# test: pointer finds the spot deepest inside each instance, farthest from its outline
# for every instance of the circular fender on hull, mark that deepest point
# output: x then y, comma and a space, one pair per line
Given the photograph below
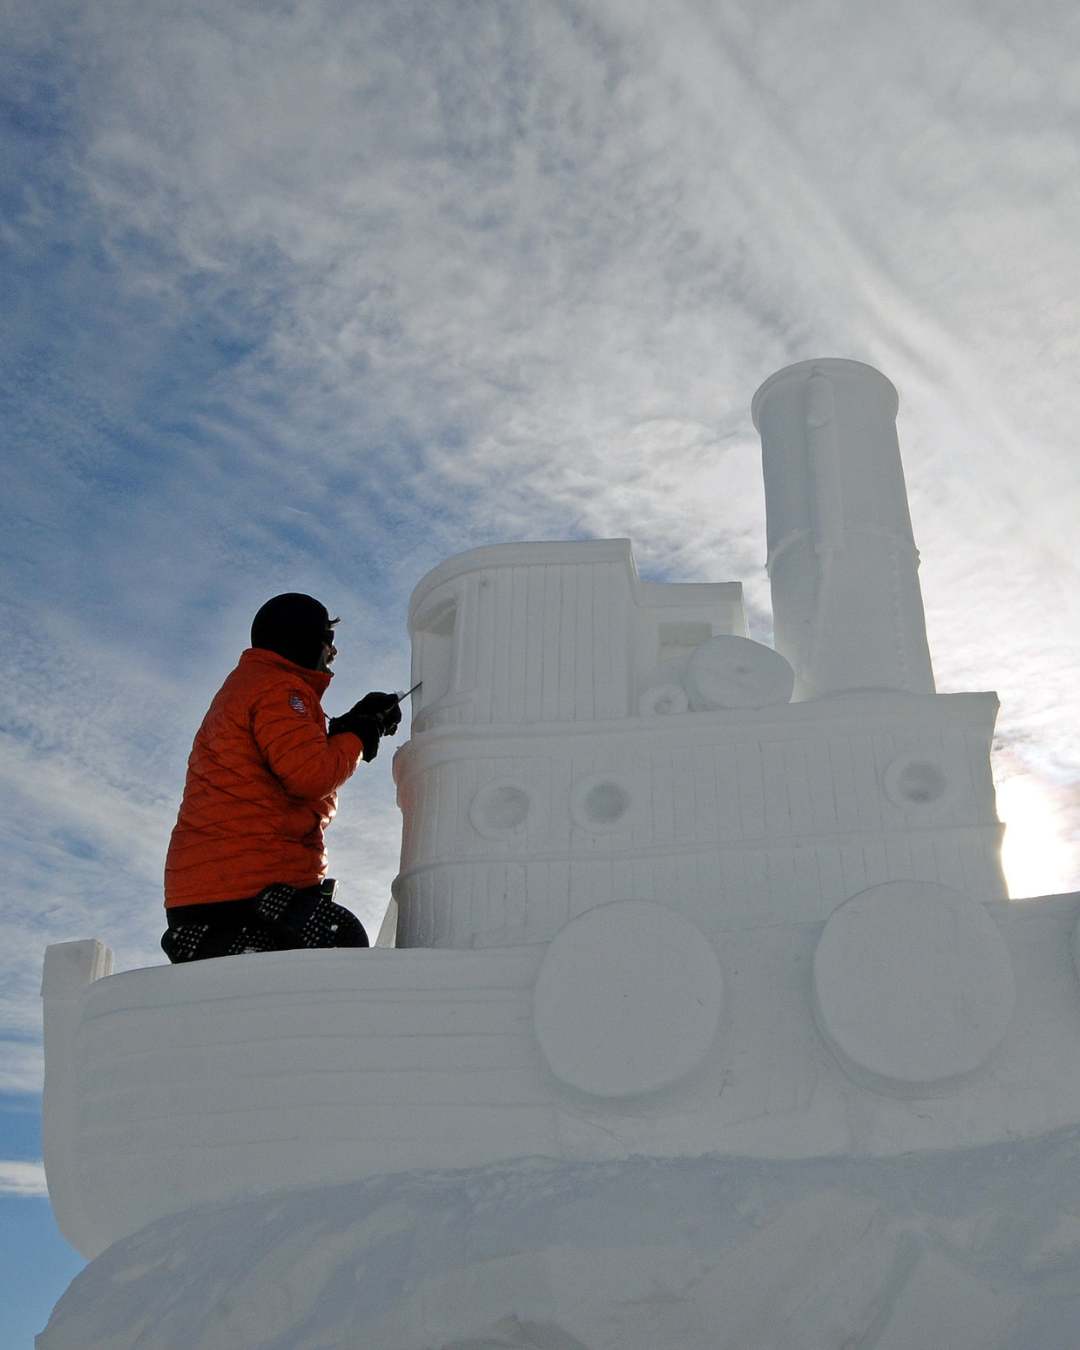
627, 1000
913, 986
734, 672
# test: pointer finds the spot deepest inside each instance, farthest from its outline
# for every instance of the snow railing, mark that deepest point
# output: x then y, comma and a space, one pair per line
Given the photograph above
70, 969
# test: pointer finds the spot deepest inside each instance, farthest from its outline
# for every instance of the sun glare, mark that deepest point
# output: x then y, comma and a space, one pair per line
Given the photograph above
1036, 855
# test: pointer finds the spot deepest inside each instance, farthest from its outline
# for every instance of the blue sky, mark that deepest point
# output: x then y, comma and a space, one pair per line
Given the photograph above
309, 296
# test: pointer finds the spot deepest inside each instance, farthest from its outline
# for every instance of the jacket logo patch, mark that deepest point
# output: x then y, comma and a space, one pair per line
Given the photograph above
297, 704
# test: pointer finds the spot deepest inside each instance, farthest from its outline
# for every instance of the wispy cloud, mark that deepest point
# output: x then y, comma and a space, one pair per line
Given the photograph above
21, 1062
311, 298
22, 1178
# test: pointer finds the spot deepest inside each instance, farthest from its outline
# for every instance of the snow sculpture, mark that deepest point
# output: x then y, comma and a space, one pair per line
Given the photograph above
668, 898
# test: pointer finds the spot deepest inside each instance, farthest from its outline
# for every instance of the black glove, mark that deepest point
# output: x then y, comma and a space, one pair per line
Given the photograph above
385, 708
375, 715
366, 727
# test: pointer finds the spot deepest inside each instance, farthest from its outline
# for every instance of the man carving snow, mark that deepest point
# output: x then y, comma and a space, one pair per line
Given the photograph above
246, 869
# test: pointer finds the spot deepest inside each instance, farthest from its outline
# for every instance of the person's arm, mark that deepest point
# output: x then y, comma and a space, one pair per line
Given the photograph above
308, 763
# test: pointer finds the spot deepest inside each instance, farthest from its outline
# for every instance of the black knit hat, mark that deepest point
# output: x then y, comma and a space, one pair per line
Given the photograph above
294, 626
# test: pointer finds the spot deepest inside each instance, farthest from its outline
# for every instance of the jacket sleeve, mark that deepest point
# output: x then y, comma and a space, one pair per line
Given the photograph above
308, 763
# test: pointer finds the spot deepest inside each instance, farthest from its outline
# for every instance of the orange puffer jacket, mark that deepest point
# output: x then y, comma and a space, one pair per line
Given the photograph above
261, 785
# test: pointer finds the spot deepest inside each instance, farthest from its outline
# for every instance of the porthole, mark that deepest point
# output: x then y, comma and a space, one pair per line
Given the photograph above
602, 802
917, 782
499, 810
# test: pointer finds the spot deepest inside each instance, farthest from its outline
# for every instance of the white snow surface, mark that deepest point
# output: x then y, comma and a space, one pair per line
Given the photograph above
974, 1249
888, 1029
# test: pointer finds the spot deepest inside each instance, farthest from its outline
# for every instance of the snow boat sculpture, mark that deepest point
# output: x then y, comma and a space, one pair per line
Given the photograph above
669, 899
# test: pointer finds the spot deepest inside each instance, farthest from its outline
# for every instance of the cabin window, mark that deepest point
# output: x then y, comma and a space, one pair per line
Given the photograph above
678, 640
434, 636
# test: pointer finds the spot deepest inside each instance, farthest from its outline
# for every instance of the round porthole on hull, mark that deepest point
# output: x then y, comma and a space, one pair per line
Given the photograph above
601, 803
917, 781
500, 809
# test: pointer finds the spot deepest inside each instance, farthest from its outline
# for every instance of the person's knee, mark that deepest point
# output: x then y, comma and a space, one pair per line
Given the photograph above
206, 942
346, 928
184, 943
284, 918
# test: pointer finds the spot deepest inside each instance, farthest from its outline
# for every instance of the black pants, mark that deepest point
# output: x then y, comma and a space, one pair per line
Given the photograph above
280, 918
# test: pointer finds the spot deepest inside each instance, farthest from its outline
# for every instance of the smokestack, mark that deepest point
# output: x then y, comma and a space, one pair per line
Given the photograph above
847, 608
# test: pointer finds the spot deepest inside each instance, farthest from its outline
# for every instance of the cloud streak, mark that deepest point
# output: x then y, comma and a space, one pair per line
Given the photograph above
22, 1178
